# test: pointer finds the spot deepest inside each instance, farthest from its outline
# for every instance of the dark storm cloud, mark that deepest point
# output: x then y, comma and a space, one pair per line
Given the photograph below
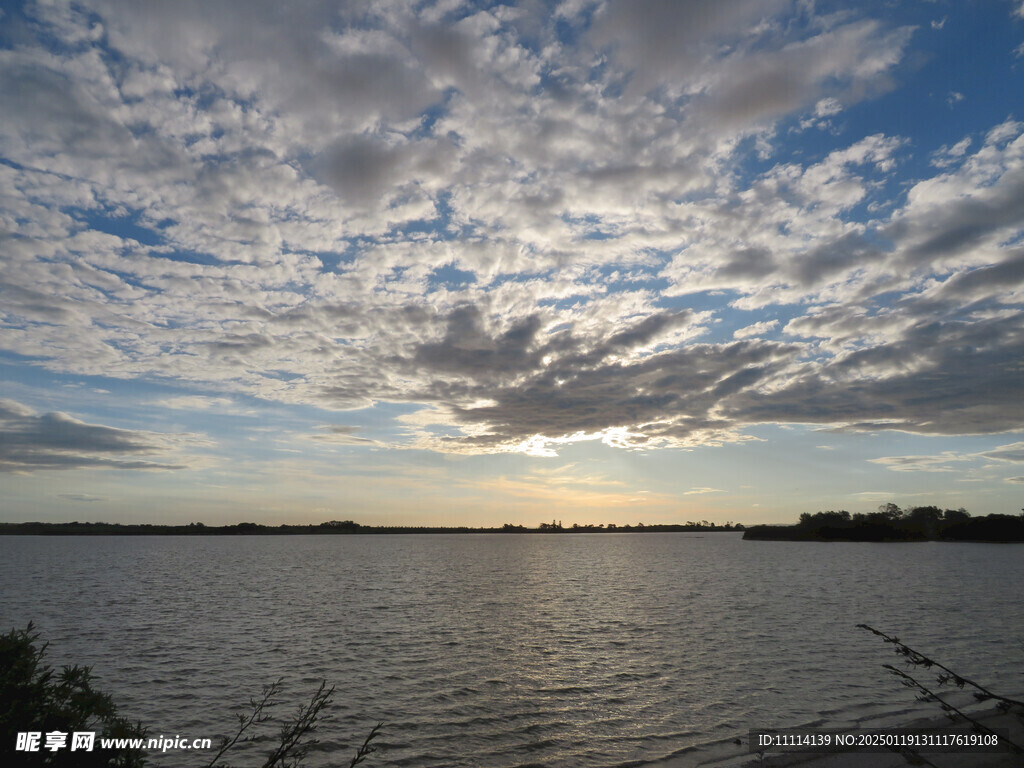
241, 344
985, 283
448, 54
292, 56
943, 378
57, 441
560, 382
671, 394
831, 259
931, 371
655, 36
961, 225
748, 263
1013, 452
45, 107
468, 348
363, 169
766, 94
341, 434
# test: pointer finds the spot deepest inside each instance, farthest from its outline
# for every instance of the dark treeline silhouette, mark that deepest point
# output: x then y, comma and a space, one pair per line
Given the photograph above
333, 527
890, 523
688, 527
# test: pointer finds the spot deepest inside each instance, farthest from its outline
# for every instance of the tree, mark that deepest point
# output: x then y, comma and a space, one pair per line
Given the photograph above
344, 525
953, 516
890, 512
35, 698
923, 519
822, 519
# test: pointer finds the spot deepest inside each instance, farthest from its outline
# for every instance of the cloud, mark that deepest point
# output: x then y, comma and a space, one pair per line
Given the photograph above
568, 493
755, 330
194, 403
946, 461
340, 434
753, 87
824, 109
523, 236
654, 37
1011, 452
29, 441
946, 156
938, 463
577, 393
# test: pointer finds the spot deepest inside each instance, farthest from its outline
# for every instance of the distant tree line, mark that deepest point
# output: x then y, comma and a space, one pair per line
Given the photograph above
555, 526
334, 527
890, 523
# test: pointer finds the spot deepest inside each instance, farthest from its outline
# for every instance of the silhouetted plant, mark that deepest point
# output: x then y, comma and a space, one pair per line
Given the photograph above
946, 676
295, 737
33, 697
366, 749
256, 715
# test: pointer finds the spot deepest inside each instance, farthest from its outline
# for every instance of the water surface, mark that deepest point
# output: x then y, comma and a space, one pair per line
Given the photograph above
514, 650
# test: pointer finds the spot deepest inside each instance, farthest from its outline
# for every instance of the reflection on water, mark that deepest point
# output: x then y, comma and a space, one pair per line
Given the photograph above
514, 650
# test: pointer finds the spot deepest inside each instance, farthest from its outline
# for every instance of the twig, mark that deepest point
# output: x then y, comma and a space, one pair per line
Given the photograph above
293, 743
292, 733
929, 695
247, 721
919, 659
366, 750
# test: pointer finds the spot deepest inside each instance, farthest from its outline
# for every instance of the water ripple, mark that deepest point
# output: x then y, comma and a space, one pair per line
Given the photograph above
511, 651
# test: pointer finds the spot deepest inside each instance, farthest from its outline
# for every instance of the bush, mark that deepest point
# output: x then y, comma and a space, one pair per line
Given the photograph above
33, 697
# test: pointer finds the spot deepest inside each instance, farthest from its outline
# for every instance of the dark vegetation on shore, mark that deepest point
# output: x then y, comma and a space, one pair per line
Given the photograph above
890, 523
37, 700
334, 527
34, 697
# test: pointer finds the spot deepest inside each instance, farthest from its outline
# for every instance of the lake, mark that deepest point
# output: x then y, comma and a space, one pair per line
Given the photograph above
584, 650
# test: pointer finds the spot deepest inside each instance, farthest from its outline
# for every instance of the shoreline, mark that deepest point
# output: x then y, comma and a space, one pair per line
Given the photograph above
346, 528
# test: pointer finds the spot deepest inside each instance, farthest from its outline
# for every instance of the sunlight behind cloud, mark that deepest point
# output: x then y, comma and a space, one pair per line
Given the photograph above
469, 231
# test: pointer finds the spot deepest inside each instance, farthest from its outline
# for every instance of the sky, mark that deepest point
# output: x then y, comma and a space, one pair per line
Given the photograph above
475, 263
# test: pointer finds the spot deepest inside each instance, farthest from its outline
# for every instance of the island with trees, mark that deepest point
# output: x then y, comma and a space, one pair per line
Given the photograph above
890, 523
